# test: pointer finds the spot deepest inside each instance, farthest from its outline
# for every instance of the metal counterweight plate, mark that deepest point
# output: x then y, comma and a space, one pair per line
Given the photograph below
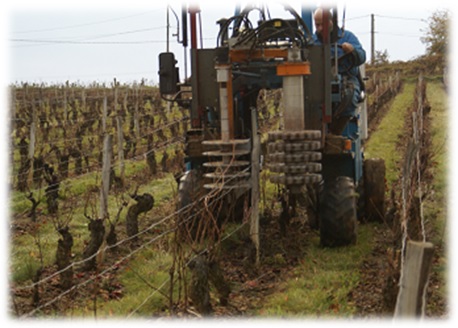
295, 135
222, 175
293, 169
225, 186
234, 142
237, 152
296, 179
295, 158
293, 147
224, 165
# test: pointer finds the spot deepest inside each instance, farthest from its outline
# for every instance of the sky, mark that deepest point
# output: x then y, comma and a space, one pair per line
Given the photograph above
99, 41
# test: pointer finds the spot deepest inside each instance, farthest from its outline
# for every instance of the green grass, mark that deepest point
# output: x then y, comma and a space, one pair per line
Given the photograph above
320, 285
25, 253
26, 256
383, 142
140, 297
435, 207
19, 202
440, 142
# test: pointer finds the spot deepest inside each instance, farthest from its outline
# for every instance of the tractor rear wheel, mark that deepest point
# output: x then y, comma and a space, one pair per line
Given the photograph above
338, 213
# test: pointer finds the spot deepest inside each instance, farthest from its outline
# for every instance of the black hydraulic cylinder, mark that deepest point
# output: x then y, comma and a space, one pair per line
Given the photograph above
168, 74
184, 25
334, 35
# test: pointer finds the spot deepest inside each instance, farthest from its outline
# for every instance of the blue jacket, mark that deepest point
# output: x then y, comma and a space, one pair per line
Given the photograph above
350, 66
359, 54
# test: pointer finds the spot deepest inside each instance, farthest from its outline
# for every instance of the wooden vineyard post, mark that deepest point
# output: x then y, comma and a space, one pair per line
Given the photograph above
105, 177
136, 115
377, 93
104, 114
83, 101
13, 106
13, 102
64, 123
119, 130
414, 278
254, 223
364, 113
125, 110
120, 148
33, 130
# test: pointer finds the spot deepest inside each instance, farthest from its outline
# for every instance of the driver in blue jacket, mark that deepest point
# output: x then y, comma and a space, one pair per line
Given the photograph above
349, 45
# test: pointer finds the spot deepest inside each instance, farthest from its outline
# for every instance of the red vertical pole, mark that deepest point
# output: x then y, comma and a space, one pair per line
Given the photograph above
325, 22
193, 10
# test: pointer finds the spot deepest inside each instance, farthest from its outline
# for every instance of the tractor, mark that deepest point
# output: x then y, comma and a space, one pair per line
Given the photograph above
325, 171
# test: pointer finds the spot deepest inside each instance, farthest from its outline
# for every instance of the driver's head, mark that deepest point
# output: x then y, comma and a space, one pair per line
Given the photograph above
318, 18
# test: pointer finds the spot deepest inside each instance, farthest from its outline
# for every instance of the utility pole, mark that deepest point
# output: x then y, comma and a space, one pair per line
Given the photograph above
372, 40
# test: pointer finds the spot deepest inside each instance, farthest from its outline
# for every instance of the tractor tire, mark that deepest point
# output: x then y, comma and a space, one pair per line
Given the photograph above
374, 189
338, 220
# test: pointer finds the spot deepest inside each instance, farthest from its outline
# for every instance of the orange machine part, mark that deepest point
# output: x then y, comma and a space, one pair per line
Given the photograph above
293, 69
